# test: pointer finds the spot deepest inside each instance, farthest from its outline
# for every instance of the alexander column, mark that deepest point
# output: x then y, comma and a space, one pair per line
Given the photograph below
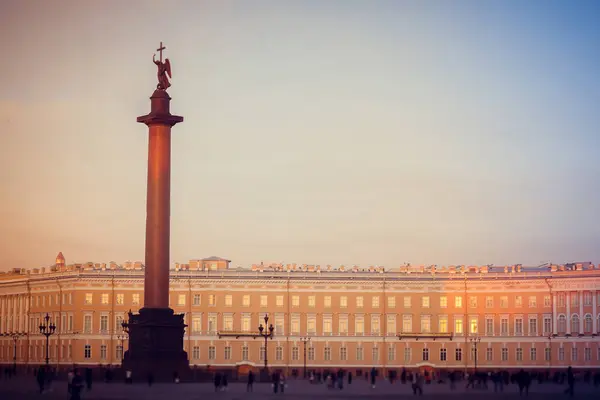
156, 333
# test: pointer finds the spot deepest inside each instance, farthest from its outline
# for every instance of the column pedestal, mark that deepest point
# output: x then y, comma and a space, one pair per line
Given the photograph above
156, 345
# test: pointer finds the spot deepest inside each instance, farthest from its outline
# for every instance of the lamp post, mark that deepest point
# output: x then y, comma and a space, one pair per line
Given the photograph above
305, 340
475, 341
121, 337
47, 329
124, 336
15, 337
266, 333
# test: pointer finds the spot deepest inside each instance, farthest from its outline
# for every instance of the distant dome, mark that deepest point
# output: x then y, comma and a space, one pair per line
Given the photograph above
60, 259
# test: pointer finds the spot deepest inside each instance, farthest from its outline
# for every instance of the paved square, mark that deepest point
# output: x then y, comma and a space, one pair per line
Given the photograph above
25, 388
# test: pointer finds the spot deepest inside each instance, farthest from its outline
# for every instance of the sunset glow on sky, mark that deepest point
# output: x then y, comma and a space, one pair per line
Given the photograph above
318, 132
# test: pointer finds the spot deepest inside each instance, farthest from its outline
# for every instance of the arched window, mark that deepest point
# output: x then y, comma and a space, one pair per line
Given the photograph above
575, 324
587, 324
562, 324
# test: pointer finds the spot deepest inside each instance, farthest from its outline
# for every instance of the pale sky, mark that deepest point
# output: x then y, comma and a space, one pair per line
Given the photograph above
317, 132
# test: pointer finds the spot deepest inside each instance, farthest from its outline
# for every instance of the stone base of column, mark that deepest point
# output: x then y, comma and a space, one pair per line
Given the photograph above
156, 345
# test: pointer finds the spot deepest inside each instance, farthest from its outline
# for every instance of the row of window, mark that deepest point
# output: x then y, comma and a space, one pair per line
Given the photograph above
407, 326
38, 352
11, 302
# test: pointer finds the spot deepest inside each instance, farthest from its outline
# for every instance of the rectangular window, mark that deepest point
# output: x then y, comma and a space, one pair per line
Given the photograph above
104, 298
87, 324
489, 326
587, 354
407, 323
504, 326
391, 301
212, 352
88, 298
547, 301
443, 355
532, 301
391, 325
532, 354
327, 325
327, 301
327, 354
375, 302
343, 354
547, 354
547, 325
519, 354
425, 323
504, 354
489, 354
246, 300
343, 302
279, 301
359, 325
473, 324
135, 299
458, 302
311, 325
245, 353
375, 325
425, 354
87, 351
264, 301
587, 298
518, 301
228, 300
407, 302
212, 300
473, 301
279, 324
561, 354
212, 324
246, 323
458, 325
425, 301
458, 354
228, 323
312, 301
504, 302
391, 353
295, 324
196, 352
295, 354
311, 353
279, 353
407, 354
181, 300
359, 354
359, 302
574, 355
375, 354
489, 301
196, 324
518, 326
103, 352
443, 324
227, 354
197, 299
532, 326
343, 325
443, 301
103, 323
120, 299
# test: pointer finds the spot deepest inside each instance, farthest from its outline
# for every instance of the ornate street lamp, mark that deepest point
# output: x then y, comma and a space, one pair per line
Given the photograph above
475, 341
15, 337
305, 340
266, 333
47, 330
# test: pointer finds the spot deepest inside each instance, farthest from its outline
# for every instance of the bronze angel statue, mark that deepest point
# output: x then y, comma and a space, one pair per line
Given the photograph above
164, 69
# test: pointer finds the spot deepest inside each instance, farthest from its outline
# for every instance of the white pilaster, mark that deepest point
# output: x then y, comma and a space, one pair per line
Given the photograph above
594, 312
554, 316
581, 319
568, 300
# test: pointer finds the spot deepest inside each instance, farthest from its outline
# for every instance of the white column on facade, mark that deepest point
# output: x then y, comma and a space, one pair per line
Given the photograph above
2, 313
594, 312
581, 319
554, 316
568, 300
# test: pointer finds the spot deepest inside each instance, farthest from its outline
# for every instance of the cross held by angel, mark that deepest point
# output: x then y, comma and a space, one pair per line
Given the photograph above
164, 69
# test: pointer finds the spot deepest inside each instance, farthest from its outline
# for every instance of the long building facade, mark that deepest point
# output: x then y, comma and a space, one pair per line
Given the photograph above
454, 317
